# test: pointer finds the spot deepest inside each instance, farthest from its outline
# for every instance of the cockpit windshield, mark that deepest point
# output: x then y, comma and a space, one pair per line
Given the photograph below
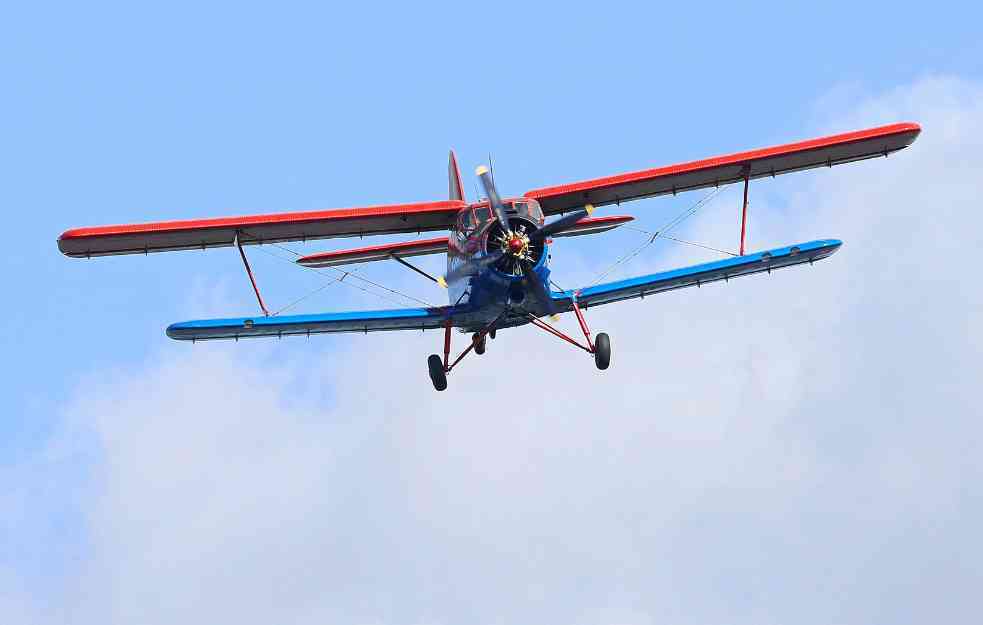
469, 220
526, 208
482, 214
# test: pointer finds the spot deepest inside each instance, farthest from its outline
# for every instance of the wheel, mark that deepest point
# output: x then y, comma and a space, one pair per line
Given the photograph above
479, 346
602, 351
491, 333
437, 374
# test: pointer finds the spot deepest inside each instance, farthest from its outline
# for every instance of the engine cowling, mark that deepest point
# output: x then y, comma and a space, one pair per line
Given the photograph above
515, 245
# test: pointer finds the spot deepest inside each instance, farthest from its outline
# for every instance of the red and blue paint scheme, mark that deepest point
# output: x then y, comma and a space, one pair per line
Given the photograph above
497, 250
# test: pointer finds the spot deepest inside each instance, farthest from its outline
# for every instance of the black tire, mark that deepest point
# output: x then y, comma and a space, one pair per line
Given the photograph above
602, 351
491, 333
437, 374
479, 346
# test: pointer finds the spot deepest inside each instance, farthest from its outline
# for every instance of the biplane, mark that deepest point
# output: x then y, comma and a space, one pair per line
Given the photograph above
497, 248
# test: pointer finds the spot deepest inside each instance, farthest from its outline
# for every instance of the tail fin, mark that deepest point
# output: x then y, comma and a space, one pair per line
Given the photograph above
455, 186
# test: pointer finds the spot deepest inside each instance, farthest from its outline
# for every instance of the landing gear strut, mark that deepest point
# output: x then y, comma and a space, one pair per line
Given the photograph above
439, 368
600, 348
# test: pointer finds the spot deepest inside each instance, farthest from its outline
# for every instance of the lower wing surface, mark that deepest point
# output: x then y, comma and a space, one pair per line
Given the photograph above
698, 274
321, 323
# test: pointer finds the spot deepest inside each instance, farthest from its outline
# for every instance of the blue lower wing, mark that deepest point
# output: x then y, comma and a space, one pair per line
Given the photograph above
294, 325
698, 274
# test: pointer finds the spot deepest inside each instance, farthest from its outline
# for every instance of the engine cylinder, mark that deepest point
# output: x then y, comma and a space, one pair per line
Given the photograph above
515, 245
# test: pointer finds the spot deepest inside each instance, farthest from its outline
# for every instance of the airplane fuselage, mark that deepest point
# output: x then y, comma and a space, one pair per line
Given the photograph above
486, 288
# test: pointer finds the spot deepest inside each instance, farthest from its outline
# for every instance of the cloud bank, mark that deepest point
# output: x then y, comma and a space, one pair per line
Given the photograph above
801, 447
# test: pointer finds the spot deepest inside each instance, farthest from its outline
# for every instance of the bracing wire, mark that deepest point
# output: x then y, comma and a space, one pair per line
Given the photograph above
660, 233
304, 297
340, 278
344, 274
334, 279
695, 244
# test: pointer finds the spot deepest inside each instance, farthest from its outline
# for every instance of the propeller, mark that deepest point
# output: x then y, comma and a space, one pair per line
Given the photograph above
536, 287
471, 267
516, 245
561, 224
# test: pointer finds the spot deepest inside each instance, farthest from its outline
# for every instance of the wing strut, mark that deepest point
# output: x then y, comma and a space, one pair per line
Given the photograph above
747, 181
249, 272
423, 273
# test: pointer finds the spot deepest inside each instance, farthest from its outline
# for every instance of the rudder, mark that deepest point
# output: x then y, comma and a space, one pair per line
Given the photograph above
454, 184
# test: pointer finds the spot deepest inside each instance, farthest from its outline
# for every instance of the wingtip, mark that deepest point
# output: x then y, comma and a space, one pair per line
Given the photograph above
65, 241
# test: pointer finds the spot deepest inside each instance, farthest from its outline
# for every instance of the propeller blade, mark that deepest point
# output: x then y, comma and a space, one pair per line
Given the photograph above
536, 288
561, 224
473, 266
493, 198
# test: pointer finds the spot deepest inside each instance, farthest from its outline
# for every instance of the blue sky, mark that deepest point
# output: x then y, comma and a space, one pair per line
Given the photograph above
118, 113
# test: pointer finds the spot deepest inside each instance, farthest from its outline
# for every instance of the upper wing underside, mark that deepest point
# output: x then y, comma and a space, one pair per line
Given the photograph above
222, 231
822, 152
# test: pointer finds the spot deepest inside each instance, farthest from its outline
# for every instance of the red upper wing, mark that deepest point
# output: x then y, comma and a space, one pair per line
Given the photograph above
222, 231
822, 152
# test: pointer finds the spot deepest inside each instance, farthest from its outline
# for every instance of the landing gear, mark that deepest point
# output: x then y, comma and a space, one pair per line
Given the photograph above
600, 347
440, 367
602, 351
437, 374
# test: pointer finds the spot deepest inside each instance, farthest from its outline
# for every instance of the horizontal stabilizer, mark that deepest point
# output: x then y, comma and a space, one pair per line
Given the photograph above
698, 275
375, 252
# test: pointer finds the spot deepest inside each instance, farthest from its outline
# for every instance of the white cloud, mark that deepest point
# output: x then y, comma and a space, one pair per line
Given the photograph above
798, 447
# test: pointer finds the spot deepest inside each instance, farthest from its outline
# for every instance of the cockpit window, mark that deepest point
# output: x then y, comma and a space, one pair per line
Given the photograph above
482, 214
465, 222
526, 208
470, 220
